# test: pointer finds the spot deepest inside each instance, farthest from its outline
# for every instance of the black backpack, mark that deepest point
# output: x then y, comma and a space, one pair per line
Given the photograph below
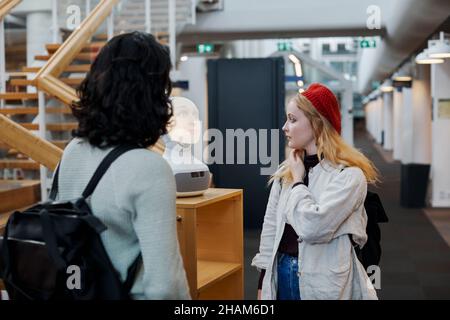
53, 250
370, 254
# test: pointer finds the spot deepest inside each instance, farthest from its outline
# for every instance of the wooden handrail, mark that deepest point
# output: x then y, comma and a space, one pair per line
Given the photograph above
6, 6
38, 149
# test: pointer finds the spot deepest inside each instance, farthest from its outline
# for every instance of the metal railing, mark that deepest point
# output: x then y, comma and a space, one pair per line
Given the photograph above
5, 7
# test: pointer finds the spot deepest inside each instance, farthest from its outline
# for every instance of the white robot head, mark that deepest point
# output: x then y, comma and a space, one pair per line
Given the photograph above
185, 127
191, 175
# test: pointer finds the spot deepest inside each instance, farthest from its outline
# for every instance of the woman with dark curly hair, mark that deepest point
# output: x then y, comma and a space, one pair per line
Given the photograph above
124, 99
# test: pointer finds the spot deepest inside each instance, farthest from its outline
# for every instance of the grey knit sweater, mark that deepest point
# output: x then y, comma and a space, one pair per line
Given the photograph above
135, 199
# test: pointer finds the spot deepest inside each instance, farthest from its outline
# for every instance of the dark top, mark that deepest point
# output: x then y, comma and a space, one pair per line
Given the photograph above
288, 243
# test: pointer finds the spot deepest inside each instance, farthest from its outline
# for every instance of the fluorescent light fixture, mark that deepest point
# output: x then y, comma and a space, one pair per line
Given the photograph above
398, 77
439, 49
294, 59
387, 86
403, 74
423, 58
184, 58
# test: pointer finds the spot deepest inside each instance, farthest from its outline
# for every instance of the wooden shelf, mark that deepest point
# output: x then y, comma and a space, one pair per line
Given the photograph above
210, 232
210, 272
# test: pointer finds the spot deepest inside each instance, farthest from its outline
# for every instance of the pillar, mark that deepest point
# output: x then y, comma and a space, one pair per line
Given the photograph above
440, 78
388, 115
397, 103
38, 33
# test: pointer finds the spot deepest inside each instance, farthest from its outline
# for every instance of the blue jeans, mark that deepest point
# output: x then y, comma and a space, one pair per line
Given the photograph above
288, 287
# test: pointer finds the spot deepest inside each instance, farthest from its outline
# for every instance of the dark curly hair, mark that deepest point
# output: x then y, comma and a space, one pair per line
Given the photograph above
124, 98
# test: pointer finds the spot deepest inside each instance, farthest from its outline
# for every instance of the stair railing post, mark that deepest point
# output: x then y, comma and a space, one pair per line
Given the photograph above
148, 15
55, 21
172, 32
193, 11
2, 62
42, 130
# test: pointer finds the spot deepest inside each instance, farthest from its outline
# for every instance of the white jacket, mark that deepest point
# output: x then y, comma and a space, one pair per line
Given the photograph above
322, 215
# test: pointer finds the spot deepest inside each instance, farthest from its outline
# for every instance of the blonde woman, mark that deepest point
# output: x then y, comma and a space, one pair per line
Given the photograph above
315, 209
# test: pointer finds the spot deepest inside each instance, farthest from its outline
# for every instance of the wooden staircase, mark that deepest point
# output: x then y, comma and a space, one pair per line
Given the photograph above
20, 104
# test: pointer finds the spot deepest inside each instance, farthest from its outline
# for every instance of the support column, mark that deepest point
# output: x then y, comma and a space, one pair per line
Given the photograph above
398, 113
379, 120
440, 78
421, 95
407, 126
416, 151
38, 33
387, 121
347, 114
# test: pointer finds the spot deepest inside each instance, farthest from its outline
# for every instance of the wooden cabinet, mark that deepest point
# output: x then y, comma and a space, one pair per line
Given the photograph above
210, 232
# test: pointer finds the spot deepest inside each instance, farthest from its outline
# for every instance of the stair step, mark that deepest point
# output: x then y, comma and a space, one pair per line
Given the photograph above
68, 126
18, 96
34, 110
72, 81
19, 163
71, 68
30, 82
85, 56
22, 82
93, 46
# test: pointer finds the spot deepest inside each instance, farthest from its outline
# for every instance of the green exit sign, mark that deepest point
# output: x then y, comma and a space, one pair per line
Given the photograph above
365, 43
205, 48
284, 46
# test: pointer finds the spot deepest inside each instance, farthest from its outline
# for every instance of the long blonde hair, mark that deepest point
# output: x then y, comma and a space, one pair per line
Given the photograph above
330, 146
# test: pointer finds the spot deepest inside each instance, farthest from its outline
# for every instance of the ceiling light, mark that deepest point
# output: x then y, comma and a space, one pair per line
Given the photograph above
387, 86
401, 78
184, 58
439, 48
423, 58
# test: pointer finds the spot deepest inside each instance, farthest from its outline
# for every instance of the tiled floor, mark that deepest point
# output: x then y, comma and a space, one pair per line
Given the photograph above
441, 221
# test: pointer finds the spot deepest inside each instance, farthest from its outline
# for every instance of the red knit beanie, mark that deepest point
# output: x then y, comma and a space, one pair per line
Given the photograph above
325, 102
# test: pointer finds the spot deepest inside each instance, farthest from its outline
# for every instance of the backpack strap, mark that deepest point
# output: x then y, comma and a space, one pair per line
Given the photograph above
132, 273
54, 190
